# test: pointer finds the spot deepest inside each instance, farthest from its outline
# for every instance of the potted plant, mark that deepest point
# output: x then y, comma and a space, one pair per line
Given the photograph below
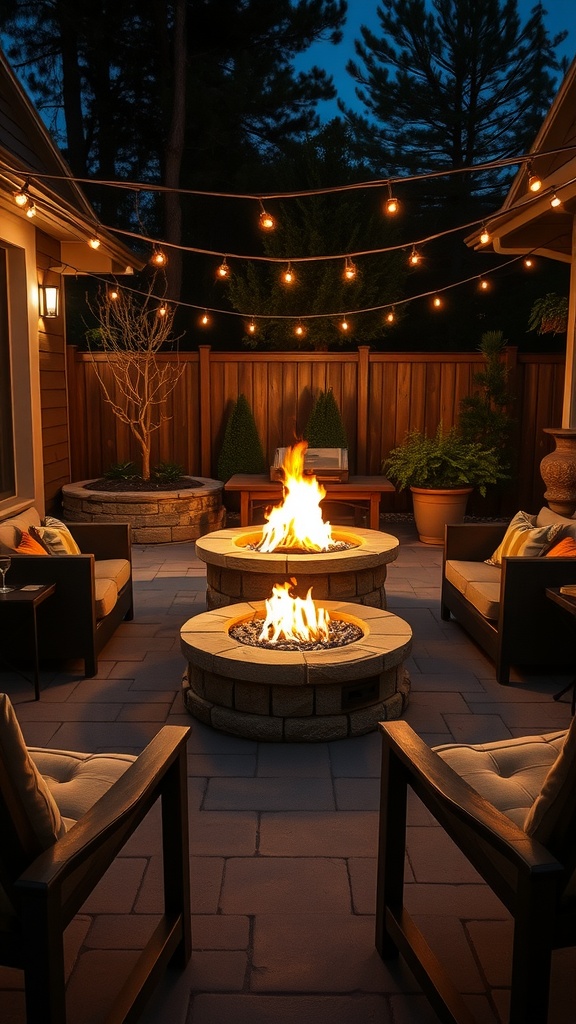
441, 471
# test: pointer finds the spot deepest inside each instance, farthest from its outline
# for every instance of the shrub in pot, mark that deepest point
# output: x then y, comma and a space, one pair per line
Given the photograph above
441, 471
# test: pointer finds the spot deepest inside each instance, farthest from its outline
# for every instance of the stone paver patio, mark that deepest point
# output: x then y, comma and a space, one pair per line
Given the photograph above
283, 836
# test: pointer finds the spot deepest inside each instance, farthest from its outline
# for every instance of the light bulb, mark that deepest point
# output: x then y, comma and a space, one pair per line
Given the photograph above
223, 270
158, 258
414, 258
30, 208
390, 316
21, 197
555, 201
529, 262
113, 294
266, 221
437, 302
288, 276
205, 319
94, 242
534, 180
162, 310
251, 327
392, 205
484, 236
299, 331
344, 325
484, 286
349, 270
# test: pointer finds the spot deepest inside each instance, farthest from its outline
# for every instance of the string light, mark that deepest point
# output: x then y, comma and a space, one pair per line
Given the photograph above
30, 207
113, 294
344, 325
415, 257
21, 196
349, 270
251, 327
266, 220
162, 310
204, 319
483, 284
288, 276
529, 262
390, 316
392, 205
223, 270
437, 302
534, 180
299, 330
94, 242
159, 257
484, 235
555, 202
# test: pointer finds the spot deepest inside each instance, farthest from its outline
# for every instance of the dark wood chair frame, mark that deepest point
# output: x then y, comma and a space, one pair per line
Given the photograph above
68, 627
48, 894
529, 631
526, 877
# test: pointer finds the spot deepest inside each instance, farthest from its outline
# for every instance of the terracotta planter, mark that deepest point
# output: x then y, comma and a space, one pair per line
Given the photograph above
558, 471
433, 509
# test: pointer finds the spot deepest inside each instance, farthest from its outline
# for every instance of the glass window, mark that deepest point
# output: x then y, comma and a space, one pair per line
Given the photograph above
7, 475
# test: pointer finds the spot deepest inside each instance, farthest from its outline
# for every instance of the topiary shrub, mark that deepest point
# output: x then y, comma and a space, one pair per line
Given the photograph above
241, 450
325, 428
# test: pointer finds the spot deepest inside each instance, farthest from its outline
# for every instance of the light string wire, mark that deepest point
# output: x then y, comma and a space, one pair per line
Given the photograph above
392, 305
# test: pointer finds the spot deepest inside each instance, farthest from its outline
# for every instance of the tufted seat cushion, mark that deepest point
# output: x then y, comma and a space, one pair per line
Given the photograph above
508, 773
76, 780
478, 582
110, 575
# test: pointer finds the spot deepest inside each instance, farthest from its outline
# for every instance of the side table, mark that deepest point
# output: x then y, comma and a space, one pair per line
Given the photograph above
568, 605
18, 613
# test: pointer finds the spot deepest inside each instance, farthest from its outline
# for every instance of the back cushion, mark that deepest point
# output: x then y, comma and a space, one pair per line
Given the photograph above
34, 821
546, 517
551, 819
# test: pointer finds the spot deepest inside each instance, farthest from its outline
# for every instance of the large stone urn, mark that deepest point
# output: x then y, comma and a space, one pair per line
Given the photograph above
558, 471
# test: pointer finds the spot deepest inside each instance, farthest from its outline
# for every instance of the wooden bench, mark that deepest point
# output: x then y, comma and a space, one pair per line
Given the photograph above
255, 488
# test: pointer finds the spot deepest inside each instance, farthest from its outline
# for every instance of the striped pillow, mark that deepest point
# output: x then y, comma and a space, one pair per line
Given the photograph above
523, 537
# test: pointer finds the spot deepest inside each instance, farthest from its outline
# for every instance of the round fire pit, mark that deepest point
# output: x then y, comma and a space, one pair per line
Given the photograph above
235, 572
298, 696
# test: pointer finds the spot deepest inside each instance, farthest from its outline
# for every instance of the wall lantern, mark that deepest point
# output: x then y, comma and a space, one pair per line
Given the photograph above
48, 297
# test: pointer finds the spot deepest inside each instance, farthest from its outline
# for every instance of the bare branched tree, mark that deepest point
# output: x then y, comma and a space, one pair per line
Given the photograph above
132, 330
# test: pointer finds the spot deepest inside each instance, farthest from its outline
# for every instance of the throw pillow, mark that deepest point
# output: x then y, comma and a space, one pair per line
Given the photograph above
565, 548
38, 819
29, 546
523, 537
57, 541
553, 809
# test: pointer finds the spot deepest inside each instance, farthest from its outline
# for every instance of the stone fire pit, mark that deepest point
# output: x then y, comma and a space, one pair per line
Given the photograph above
299, 696
236, 573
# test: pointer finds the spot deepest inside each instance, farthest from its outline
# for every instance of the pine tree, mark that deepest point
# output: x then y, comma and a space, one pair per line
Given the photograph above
325, 428
241, 450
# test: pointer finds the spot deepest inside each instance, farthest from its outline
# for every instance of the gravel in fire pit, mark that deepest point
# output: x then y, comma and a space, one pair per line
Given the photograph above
341, 634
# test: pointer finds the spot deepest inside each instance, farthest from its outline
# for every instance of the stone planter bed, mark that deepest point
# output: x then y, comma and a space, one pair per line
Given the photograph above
156, 517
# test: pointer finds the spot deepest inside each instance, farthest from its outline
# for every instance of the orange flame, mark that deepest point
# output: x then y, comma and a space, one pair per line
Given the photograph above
297, 522
291, 618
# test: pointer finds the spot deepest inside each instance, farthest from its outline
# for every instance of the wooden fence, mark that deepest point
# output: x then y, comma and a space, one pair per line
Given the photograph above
381, 395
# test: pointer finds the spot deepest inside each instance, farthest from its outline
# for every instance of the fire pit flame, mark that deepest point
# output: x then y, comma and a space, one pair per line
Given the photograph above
297, 522
291, 618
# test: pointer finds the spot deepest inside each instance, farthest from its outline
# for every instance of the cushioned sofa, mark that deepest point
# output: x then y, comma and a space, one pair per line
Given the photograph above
93, 588
504, 607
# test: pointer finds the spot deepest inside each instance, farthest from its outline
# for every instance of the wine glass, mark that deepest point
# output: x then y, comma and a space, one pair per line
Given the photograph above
5, 564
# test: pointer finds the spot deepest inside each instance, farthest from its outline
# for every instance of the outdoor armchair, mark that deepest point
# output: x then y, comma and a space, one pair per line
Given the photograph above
515, 821
64, 816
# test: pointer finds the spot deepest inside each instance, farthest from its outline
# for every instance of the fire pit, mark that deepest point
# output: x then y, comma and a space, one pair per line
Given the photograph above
243, 564
295, 695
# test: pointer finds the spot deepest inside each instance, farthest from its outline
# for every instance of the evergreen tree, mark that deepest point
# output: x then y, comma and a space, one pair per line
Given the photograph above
450, 84
241, 450
325, 428
320, 225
